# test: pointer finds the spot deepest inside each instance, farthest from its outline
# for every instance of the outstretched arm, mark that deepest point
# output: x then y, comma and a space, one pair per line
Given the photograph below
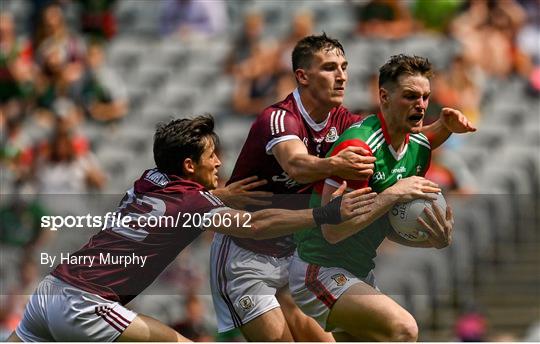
450, 121
272, 223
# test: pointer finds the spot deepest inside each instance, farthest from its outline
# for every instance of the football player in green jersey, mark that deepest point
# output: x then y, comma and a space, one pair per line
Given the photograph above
331, 276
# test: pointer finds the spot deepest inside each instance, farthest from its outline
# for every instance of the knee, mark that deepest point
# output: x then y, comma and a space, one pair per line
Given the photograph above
404, 329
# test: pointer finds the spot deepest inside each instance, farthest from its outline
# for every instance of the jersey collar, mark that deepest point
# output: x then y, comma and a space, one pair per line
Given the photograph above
388, 139
306, 116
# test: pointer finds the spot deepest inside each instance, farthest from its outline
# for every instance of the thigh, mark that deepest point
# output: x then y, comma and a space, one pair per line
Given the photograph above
147, 329
367, 314
315, 289
34, 325
270, 326
243, 283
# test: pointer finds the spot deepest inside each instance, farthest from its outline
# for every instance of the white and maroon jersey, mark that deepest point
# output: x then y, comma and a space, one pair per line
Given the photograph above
156, 195
283, 121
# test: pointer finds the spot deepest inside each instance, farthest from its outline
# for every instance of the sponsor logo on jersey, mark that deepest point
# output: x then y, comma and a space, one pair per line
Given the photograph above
340, 279
246, 302
402, 169
332, 135
284, 178
379, 176
305, 140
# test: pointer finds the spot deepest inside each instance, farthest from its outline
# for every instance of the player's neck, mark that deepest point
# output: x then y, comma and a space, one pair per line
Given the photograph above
317, 111
398, 141
397, 136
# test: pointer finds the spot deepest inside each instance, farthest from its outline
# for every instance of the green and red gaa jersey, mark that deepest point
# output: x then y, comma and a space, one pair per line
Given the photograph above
357, 252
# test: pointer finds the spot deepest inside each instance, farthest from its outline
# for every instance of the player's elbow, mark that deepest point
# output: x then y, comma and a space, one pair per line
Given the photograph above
298, 175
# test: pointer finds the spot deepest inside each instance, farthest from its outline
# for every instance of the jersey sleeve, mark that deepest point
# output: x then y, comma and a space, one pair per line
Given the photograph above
278, 125
336, 181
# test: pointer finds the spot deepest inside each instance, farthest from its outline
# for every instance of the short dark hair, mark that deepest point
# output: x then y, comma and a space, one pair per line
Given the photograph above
180, 139
402, 64
307, 47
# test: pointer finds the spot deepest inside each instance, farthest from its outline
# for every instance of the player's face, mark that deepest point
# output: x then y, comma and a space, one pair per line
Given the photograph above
327, 77
206, 169
406, 103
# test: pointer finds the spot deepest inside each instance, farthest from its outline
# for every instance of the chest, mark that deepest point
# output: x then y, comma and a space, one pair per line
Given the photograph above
318, 143
388, 170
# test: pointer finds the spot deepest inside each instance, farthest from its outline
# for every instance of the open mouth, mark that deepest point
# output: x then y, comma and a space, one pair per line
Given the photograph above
416, 117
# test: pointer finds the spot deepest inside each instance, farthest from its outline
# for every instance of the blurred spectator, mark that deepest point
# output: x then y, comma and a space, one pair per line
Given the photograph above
58, 77
20, 223
435, 16
66, 166
254, 64
461, 87
301, 26
249, 40
487, 30
200, 18
53, 28
387, 19
103, 93
528, 41
16, 151
194, 325
97, 18
15, 63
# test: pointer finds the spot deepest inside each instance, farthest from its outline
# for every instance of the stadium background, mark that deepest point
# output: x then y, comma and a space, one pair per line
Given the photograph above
77, 130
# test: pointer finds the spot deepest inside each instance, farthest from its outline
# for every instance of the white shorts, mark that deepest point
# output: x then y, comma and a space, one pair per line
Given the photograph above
315, 289
244, 283
58, 311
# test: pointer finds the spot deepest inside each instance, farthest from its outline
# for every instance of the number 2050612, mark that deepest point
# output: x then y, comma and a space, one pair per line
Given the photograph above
207, 220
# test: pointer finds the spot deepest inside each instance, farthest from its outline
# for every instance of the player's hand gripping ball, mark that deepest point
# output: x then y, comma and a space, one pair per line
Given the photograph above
403, 217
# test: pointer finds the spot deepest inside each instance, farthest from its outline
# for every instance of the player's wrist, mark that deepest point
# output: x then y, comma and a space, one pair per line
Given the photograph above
332, 167
330, 214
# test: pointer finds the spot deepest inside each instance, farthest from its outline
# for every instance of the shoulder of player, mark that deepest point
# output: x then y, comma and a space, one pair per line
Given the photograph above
276, 120
420, 139
286, 106
364, 129
276, 112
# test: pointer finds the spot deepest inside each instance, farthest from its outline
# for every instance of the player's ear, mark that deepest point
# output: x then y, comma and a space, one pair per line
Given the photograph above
188, 166
383, 96
301, 76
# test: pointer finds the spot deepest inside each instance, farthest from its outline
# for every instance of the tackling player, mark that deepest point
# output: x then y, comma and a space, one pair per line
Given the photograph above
331, 276
287, 145
79, 302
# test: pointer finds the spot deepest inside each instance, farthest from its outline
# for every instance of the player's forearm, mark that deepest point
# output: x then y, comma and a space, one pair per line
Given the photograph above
273, 223
437, 133
306, 168
336, 233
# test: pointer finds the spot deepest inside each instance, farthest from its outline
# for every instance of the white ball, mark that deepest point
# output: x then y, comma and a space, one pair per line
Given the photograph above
403, 217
